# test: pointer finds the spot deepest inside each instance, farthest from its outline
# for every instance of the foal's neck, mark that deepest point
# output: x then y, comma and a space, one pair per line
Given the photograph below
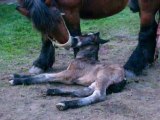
87, 60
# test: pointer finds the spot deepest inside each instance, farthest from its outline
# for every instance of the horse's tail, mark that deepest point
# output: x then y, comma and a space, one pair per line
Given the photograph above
134, 5
42, 17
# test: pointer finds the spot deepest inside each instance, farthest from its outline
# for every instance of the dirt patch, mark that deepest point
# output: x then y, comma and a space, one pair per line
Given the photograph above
140, 99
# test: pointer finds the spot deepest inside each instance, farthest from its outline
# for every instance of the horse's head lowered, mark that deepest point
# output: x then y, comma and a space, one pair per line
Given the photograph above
90, 46
47, 19
44, 15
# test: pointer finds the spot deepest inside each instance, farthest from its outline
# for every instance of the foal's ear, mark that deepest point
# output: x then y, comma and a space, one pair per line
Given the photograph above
101, 41
23, 11
48, 2
97, 34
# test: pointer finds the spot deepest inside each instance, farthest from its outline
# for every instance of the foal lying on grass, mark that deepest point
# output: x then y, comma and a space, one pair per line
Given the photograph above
84, 70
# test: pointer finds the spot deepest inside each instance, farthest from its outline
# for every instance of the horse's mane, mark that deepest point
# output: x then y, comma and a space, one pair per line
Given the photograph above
43, 19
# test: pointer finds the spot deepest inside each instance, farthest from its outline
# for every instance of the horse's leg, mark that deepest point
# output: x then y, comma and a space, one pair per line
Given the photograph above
46, 57
157, 43
65, 77
77, 93
72, 20
133, 5
144, 53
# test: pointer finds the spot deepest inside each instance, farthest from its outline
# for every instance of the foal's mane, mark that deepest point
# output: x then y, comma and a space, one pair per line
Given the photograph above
42, 16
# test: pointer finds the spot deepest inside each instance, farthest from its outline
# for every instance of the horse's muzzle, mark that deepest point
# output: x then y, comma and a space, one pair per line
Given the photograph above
22, 10
17, 7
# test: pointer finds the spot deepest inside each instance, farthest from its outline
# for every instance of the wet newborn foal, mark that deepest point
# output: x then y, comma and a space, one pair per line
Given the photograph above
85, 70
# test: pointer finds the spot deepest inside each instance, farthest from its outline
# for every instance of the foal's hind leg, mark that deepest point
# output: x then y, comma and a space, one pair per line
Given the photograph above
77, 93
98, 95
100, 85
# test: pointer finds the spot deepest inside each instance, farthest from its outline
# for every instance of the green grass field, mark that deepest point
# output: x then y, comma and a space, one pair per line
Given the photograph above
20, 42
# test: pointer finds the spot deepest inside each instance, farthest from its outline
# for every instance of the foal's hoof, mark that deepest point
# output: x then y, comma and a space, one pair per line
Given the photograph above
11, 82
16, 82
61, 106
35, 70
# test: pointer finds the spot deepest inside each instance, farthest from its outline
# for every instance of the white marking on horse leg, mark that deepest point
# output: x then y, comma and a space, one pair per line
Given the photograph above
35, 70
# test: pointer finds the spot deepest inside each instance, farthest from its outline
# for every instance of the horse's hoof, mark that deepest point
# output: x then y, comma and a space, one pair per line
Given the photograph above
129, 74
61, 106
35, 70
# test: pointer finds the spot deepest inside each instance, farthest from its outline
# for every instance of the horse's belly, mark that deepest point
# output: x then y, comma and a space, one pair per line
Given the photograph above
100, 9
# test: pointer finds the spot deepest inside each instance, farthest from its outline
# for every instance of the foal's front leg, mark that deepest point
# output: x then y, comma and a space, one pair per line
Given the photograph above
65, 77
77, 93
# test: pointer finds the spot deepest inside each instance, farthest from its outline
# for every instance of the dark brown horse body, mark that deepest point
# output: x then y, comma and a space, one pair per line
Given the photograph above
144, 52
95, 9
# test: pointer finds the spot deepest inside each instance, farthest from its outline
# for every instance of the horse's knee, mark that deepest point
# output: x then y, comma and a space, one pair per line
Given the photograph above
133, 5
46, 57
146, 18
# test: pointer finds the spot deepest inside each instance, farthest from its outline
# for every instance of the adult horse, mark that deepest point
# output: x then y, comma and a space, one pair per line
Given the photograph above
46, 18
144, 52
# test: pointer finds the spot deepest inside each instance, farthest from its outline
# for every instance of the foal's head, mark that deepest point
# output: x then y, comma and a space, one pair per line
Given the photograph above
90, 46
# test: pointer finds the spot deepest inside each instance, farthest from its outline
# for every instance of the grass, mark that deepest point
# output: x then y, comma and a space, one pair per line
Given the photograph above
20, 42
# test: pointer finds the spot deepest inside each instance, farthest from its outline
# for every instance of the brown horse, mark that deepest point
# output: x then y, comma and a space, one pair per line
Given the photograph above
46, 17
84, 70
144, 53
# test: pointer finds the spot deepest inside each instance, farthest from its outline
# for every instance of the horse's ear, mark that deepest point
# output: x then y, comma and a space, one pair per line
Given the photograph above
48, 2
23, 11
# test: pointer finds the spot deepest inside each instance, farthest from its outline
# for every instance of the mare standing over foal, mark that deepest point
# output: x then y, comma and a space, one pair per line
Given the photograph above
47, 18
84, 70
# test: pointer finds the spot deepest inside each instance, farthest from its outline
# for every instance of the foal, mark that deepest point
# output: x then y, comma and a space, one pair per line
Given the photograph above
84, 70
